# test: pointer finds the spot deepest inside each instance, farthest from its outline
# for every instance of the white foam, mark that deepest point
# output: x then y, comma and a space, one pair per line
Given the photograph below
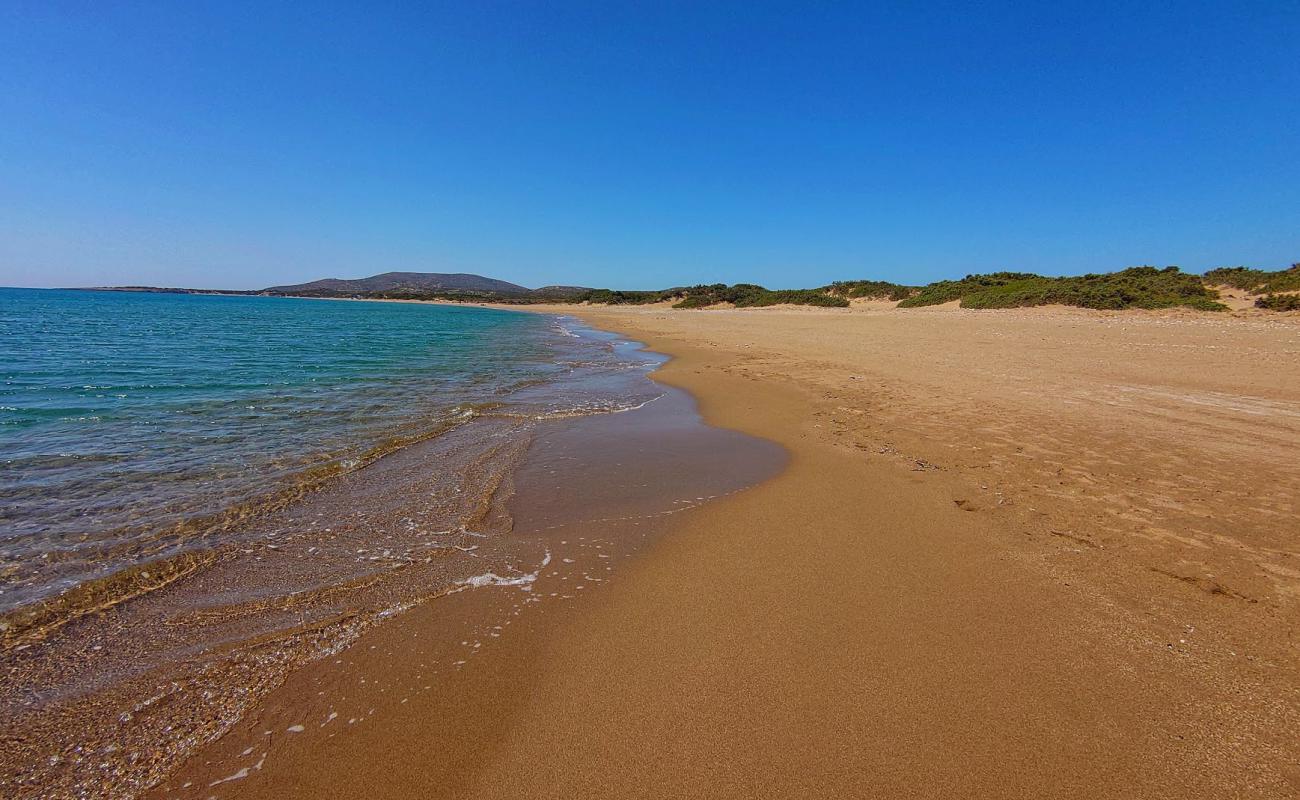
493, 579
639, 405
594, 409
238, 776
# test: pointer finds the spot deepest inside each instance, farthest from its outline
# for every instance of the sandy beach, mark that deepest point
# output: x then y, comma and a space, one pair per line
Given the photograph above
612, 401
1041, 553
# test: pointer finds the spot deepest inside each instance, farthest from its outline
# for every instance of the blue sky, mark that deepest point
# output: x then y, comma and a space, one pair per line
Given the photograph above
642, 145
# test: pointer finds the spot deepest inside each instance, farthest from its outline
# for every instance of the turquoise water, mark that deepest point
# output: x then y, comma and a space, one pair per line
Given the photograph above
132, 425
201, 494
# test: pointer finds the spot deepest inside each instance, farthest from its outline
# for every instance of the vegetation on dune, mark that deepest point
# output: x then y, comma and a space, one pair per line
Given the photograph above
874, 290
1136, 287
1271, 284
698, 300
1279, 302
749, 295
799, 297
1256, 281
941, 292
611, 297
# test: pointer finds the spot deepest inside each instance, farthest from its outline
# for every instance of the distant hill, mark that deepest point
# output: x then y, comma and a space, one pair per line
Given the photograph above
560, 291
459, 286
405, 283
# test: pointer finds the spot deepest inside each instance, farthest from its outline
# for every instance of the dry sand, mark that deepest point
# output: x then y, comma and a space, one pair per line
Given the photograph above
1043, 553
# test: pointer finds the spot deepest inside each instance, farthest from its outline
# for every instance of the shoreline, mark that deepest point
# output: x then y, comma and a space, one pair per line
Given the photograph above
883, 611
179, 664
587, 531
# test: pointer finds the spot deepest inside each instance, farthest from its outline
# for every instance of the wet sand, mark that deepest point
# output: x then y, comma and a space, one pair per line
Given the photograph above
1015, 554
111, 700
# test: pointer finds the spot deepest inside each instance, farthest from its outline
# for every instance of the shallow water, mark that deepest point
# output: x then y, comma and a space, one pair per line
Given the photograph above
157, 634
141, 428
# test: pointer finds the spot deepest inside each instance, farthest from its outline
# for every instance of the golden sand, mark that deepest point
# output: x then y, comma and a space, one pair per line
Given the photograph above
1044, 553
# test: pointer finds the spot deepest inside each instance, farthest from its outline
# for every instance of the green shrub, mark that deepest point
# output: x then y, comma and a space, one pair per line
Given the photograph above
617, 298
749, 295
1136, 287
1279, 302
871, 289
696, 301
1256, 281
798, 297
941, 292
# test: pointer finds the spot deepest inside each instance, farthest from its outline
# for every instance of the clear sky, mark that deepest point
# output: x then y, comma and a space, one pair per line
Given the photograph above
642, 145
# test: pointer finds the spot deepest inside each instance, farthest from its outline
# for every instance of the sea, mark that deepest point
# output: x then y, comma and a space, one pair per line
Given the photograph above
200, 494
140, 427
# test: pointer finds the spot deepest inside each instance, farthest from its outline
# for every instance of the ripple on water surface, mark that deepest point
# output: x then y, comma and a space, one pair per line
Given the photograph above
201, 458
142, 426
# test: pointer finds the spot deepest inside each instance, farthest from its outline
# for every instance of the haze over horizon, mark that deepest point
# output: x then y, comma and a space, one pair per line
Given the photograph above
239, 147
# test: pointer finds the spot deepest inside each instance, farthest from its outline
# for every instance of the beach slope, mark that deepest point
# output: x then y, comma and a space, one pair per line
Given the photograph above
1015, 554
